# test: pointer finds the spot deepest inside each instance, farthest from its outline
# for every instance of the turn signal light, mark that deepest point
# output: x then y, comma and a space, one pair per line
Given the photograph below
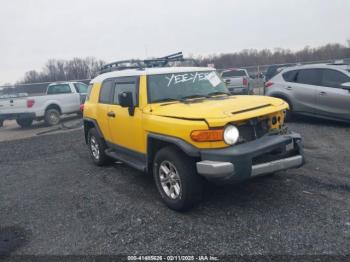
207, 135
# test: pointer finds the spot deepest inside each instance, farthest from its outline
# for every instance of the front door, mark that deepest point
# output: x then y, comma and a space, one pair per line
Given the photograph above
126, 129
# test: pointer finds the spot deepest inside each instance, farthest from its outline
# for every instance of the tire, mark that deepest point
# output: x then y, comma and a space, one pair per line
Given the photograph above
1, 123
52, 117
97, 148
24, 122
181, 187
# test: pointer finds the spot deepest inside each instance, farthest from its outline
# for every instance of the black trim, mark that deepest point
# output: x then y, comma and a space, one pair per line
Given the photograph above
183, 145
128, 156
96, 126
17, 116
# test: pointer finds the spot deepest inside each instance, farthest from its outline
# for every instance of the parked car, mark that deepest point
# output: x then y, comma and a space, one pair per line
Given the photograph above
237, 81
321, 90
60, 98
183, 125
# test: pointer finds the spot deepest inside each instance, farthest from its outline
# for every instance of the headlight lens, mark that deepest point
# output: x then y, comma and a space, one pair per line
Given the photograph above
231, 135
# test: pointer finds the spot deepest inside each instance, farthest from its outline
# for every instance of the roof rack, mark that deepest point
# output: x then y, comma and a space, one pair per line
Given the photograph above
147, 63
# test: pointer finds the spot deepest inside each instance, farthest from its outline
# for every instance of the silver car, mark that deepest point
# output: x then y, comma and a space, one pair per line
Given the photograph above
321, 90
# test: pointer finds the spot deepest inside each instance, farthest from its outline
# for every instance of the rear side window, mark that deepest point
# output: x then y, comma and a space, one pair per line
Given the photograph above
105, 92
290, 76
309, 76
234, 73
58, 89
333, 78
125, 85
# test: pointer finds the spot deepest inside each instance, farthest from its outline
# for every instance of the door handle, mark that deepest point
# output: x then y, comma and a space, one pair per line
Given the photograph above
289, 88
111, 114
322, 93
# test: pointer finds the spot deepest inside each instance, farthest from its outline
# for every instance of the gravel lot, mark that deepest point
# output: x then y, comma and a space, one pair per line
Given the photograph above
62, 204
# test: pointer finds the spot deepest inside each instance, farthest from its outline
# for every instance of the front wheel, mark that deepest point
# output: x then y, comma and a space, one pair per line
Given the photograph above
24, 122
176, 178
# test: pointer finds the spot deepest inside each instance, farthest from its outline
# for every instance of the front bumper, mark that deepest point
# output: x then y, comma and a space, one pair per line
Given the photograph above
265, 155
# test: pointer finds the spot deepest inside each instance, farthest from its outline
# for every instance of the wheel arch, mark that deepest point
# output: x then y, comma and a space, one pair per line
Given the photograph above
88, 124
156, 141
53, 106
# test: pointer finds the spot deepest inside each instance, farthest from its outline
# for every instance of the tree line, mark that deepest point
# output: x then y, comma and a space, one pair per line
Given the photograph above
64, 70
253, 57
87, 68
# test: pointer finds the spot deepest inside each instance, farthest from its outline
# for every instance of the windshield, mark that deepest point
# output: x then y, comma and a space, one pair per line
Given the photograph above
177, 86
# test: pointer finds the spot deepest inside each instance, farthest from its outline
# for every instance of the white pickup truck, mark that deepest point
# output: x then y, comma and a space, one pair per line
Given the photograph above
60, 98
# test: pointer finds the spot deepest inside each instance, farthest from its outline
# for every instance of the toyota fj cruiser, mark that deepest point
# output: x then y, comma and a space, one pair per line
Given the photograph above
184, 126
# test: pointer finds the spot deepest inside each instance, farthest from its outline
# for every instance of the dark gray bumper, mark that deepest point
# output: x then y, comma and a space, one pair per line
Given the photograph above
17, 116
265, 155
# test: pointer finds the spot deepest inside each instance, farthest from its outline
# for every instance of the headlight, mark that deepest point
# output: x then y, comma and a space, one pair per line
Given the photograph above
231, 135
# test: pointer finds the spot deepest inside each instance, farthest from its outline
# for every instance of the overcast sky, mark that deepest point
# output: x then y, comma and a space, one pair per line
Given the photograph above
33, 31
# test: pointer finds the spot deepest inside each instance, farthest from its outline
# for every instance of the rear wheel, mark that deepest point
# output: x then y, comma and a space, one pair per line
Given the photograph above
97, 148
24, 122
52, 117
176, 179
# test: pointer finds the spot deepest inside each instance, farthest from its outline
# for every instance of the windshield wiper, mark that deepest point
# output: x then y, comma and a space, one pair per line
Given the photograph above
192, 97
218, 93
165, 100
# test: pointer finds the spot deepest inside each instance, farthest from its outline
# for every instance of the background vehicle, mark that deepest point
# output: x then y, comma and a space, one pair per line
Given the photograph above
237, 80
321, 90
61, 98
275, 69
182, 125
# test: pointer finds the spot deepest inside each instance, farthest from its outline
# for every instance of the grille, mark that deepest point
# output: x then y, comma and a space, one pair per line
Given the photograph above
252, 130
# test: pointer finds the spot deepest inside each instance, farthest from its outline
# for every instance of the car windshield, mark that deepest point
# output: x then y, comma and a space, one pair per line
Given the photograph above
179, 86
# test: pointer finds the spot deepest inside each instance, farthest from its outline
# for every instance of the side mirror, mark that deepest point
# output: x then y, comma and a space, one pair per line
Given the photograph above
125, 100
346, 86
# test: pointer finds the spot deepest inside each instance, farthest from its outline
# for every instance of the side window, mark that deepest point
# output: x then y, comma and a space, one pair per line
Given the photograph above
105, 92
80, 88
333, 78
290, 76
58, 89
127, 86
309, 76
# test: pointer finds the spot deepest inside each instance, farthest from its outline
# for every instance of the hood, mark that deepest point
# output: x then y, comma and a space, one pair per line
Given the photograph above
218, 111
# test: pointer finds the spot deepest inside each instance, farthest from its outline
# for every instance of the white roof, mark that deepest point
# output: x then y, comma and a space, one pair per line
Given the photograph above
149, 71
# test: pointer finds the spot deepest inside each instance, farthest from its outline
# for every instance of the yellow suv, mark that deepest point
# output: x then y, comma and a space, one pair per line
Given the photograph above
184, 126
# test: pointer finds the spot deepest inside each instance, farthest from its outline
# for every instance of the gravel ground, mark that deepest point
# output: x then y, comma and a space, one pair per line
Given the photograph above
63, 204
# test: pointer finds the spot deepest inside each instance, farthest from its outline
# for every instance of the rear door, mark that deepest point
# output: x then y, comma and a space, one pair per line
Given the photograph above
332, 99
303, 90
